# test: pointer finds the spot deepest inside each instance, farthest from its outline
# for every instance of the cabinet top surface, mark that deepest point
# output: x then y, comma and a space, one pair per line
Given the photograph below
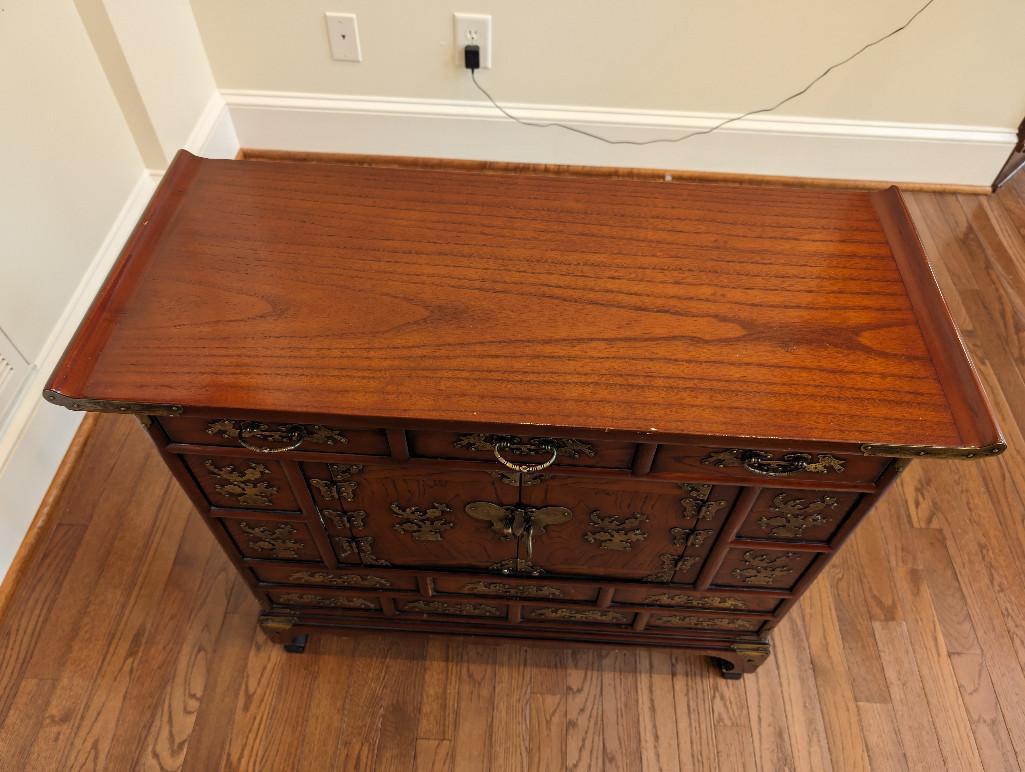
675, 309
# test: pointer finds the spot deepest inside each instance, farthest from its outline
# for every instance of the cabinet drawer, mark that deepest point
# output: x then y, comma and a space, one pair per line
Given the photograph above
242, 483
759, 466
510, 588
272, 539
522, 449
275, 437
778, 569
692, 600
358, 579
577, 615
697, 623
794, 515
321, 599
434, 606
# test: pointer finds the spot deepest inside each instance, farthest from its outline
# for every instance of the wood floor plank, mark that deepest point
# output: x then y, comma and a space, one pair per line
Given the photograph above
511, 715
692, 695
438, 699
769, 719
910, 704
988, 722
659, 749
472, 742
330, 689
885, 752
547, 749
585, 740
832, 678
804, 721
432, 756
620, 709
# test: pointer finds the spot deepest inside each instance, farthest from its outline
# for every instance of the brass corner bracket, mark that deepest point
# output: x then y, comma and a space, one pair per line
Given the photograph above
109, 406
931, 451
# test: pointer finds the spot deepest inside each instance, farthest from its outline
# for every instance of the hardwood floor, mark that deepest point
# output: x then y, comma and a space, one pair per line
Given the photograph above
929, 674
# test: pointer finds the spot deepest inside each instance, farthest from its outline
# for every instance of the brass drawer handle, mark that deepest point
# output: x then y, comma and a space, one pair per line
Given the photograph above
295, 433
759, 462
550, 447
762, 462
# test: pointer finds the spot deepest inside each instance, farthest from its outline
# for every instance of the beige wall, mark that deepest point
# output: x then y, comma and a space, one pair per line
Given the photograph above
960, 63
68, 163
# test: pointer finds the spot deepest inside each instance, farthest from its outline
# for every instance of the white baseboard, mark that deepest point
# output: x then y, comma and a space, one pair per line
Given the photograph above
770, 145
37, 434
213, 135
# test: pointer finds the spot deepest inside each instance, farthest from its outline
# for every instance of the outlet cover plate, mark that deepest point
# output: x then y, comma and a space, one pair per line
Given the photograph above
343, 35
473, 28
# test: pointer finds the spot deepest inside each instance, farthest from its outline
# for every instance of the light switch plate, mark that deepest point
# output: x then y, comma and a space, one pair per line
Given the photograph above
343, 35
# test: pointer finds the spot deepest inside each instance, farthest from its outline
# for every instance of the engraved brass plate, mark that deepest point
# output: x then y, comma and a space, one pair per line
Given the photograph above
612, 532
930, 451
693, 601
276, 540
110, 406
343, 520
341, 486
422, 524
282, 433
511, 520
512, 590
513, 478
764, 568
689, 537
525, 446
328, 601
792, 515
670, 565
245, 487
730, 623
695, 503
577, 615
464, 609
517, 566
340, 580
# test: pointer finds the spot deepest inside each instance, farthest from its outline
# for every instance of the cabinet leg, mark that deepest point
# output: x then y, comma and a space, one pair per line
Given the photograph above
742, 658
727, 669
298, 644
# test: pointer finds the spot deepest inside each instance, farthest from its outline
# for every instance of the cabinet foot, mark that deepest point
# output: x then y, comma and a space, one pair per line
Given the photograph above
742, 658
727, 670
298, 644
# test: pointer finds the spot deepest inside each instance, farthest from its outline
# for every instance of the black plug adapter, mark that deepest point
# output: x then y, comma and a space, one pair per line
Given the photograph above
471, 57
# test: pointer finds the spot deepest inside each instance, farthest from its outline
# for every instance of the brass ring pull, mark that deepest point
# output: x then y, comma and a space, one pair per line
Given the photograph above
296, 433
760, 462
500, 446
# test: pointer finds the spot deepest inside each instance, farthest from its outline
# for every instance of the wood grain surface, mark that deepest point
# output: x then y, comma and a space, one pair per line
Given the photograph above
907, 654
423, 295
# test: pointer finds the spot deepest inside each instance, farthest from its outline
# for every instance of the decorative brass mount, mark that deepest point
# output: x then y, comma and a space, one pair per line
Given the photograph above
525, 446
765, 463
518, 520
110, 405
916, 451
790, 515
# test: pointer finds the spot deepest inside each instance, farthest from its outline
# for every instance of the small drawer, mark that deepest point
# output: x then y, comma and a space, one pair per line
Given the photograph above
762, 465
272, 539
275, 437
522, 449
735, 624
452, 608
357, 579
776, 569
694, 600
242, 483
323, 600
509, 588
591, 616
794, 515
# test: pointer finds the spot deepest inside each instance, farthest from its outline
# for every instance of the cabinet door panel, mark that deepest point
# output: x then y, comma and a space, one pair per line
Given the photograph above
626, 529
242, 483
417, 518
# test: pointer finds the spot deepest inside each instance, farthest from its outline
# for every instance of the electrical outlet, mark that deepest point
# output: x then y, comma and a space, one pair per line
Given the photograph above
343, 36
473, 29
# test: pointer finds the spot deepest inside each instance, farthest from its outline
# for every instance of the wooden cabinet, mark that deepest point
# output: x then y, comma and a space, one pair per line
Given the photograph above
611, 411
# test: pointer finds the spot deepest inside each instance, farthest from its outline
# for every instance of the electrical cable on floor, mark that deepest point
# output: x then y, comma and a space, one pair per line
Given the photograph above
721, 124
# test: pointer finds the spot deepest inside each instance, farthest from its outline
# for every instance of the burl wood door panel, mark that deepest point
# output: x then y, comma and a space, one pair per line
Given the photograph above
626, 529
795, 515
408, 517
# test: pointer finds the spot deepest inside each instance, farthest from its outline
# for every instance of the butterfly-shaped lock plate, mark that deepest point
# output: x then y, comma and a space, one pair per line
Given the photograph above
514, 520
